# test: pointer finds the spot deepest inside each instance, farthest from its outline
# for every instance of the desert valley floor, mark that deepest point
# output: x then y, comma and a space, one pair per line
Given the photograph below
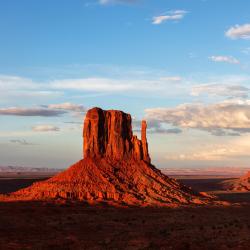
42, 225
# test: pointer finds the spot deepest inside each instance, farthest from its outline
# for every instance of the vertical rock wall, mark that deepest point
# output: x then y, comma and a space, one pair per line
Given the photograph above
109, 134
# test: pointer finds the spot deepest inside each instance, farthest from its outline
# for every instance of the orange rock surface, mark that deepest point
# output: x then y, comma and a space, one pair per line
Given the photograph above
108, 134
242, 184
116, 168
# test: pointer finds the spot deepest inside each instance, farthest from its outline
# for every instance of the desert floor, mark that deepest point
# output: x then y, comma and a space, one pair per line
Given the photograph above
40, 225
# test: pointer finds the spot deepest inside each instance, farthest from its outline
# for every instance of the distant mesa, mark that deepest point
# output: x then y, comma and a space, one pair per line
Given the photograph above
241, 185
15, 169
116, 169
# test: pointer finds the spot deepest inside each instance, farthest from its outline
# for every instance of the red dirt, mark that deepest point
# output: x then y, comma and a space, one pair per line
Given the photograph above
39, 225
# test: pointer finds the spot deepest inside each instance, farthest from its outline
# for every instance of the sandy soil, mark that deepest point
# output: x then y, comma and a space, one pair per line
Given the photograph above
77, 226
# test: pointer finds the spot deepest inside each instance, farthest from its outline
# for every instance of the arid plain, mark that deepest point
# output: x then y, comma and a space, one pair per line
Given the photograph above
44, 225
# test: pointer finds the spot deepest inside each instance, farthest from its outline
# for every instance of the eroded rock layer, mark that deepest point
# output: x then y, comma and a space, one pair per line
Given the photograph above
129, 182
116, 168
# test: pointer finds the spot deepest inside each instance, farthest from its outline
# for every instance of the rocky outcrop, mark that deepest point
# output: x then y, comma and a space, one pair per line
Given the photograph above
240, 185
116, 168
108, 134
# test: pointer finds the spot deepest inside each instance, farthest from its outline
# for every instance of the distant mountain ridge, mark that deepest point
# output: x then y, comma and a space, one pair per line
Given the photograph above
13, 169
206, 171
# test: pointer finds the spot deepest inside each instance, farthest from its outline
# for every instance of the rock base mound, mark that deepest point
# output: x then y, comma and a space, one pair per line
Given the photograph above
130, 182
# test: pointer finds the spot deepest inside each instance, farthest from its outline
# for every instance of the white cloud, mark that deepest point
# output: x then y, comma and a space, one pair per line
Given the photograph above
17, 133
44, 110
170, 16
45, 128
239, 32
113, 85
226, 59
210, 154
215, 89
155, 127
15, 87
12, 87
19, 111
233, 149
12, 82
94, 84
233, 115
67, 106
162, 130
155, 83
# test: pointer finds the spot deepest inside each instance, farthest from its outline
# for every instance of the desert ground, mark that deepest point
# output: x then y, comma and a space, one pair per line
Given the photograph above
43, 225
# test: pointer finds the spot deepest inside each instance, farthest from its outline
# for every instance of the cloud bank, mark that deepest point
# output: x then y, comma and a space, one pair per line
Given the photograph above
226, 90
45, 128
52, 110
230, 116
239, 32
155, 127
18, 111
67, 106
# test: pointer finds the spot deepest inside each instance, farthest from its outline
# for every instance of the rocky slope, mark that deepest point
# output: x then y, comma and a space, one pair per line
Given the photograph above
116, 168
242, 184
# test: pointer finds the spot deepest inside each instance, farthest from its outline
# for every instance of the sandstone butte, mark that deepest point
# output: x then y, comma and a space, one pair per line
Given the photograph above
116, 169
241, 185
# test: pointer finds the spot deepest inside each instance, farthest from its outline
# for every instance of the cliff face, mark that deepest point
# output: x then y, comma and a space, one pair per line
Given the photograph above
108, 134
116, 168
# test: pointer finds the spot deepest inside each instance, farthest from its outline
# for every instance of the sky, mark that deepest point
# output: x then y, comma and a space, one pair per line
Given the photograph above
182, 65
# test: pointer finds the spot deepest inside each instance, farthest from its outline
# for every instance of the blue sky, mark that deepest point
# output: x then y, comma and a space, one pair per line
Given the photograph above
183, 65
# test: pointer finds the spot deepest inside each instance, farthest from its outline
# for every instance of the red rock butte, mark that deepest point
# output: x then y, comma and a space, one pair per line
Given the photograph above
108, 134
116, 169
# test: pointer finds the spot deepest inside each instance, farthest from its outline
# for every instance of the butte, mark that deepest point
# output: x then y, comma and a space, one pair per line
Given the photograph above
116, 169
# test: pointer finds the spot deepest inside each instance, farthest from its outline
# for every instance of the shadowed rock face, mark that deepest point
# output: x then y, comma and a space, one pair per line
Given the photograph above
109, 134
116, 168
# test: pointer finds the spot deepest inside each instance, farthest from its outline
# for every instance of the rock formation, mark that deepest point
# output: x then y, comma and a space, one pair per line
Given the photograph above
241, 185
116, 168
108, 134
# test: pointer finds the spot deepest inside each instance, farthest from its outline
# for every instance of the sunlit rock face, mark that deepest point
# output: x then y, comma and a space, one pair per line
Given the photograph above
116, 169
241, 185
109, 134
